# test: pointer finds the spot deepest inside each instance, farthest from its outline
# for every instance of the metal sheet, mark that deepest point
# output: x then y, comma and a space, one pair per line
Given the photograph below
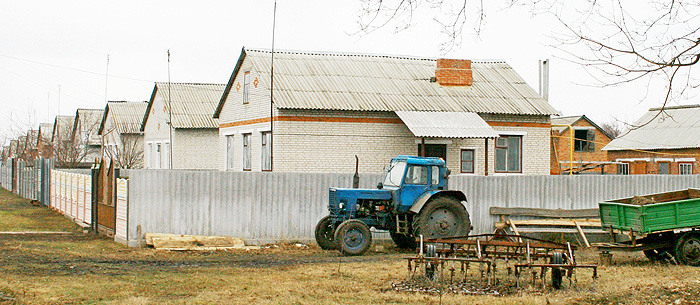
446, 124
306, 80
127, 116
674, 128
192, 105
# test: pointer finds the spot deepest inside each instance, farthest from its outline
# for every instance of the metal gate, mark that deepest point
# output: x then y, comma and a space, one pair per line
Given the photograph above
104, 210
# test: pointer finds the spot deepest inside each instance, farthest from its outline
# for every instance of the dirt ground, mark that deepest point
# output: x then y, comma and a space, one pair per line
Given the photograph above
82, 268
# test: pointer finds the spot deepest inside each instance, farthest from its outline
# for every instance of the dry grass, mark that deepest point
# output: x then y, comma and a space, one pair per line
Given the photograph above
82, 268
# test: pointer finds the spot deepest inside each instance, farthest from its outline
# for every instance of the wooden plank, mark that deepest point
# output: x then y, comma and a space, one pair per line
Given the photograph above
582, 234
35, 232
560, 230
193, 242
551, 222
550, 213
515, 230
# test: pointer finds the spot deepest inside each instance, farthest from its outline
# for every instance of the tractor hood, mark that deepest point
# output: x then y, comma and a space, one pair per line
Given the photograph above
342, 202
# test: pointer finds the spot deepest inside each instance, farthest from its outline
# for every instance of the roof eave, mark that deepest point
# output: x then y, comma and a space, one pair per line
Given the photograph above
231, 79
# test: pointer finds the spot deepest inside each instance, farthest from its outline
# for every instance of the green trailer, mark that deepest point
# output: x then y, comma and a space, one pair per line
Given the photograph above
663, 225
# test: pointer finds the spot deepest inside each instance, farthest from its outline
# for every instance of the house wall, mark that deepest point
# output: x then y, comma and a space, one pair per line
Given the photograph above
648, 163
561, 151
194, 148
156, 131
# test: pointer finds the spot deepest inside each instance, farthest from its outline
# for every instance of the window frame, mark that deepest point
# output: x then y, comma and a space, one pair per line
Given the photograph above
247, 154
424, 179
623, 168
462, 161
659, 168
246, 87
681, 165
520, 154
586, 144
265, 160
230, 154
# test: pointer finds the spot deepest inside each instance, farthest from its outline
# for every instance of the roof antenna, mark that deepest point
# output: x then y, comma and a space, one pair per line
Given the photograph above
272, 84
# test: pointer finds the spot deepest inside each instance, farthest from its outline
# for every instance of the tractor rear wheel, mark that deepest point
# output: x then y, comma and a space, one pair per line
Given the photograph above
324, 234
441, 218
403, 241
688, 249
353, 237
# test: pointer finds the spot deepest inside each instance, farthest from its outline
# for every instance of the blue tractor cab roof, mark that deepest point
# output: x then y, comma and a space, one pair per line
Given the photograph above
420, 160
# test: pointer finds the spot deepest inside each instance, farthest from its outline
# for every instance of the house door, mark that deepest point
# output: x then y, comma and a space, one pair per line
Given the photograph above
639, 168
434, 150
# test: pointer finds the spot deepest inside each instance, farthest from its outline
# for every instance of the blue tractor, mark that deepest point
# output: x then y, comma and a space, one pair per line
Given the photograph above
412, 200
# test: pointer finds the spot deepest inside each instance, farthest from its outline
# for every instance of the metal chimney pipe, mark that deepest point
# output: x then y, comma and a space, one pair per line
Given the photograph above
544, 78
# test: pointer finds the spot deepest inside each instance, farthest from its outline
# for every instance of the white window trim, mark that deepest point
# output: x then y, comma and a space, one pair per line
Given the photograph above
263, 129
584, 128
633, 159
512, 133
685, 159
663, 159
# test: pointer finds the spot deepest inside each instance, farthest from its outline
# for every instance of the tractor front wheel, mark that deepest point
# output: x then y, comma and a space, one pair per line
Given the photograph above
353, 237
441, 218
688, 249
324, 234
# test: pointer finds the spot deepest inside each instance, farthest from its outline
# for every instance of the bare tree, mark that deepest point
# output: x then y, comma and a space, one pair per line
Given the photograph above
656, 41
613, 128
128, 153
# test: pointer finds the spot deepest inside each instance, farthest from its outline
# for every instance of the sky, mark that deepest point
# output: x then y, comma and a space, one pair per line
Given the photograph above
57, 56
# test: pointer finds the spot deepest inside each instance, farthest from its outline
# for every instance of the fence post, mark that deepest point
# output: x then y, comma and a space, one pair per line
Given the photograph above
93, 197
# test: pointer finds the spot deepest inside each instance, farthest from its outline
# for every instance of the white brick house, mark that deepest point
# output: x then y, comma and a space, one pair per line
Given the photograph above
120, 129
86, 141
329, 108
193, 134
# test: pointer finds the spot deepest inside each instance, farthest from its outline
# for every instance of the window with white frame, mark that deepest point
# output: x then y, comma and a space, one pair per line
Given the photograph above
246, 87
229, 152
246, 151
265, 159
584, 140
158, 156
467, 161
623, 169
166, 155
685, 168
509, 154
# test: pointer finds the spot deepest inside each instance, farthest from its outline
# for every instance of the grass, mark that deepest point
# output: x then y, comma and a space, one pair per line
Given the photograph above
87, 269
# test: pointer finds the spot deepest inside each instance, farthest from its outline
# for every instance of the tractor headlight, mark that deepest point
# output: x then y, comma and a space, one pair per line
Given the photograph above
341, 205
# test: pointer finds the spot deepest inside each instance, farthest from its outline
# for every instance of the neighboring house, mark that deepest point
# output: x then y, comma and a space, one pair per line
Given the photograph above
63, 149
193, 132
85, 139
31, 151
329, 108
44, 145
668, 142
120, 128
587, 138
14, 148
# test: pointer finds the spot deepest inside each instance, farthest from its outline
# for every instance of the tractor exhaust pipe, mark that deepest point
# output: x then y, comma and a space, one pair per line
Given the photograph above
356, 177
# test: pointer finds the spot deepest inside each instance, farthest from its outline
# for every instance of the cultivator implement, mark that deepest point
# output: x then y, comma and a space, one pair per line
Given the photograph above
470, 264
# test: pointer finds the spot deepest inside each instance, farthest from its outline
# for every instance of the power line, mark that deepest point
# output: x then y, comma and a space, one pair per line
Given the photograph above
74, 69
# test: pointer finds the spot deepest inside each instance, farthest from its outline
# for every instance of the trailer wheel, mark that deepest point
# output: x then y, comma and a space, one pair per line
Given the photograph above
353, 237
688, 249
403, 241
557, 258
324, 234
656, 255
442, 217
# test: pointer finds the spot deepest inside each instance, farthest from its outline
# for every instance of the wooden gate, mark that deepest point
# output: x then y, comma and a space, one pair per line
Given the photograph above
104, 184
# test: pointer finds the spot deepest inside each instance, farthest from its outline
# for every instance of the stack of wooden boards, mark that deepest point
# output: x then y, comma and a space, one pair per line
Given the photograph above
582, 221
178, 242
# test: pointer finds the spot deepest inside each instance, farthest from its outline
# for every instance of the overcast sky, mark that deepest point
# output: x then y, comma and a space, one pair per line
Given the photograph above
51, 44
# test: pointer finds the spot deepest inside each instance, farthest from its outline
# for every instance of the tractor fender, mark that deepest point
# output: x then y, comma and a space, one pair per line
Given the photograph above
420, 202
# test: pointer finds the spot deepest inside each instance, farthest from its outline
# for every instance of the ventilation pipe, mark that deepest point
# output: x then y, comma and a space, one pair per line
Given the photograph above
544, 78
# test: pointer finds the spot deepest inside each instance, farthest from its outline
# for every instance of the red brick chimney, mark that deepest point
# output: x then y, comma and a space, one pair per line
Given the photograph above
454, 72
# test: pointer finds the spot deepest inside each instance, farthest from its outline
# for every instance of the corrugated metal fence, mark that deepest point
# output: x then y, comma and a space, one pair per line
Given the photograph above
30, 179
286, 206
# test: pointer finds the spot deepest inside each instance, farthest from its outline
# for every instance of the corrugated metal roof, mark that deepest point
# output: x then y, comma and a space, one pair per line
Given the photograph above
446, 124
390, 83
126, 116
89, 120
45, 131
64, 125
673, 128
193, 105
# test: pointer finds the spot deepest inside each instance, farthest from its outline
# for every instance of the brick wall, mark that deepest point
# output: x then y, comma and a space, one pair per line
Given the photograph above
648, 163
195, 148
561, 150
